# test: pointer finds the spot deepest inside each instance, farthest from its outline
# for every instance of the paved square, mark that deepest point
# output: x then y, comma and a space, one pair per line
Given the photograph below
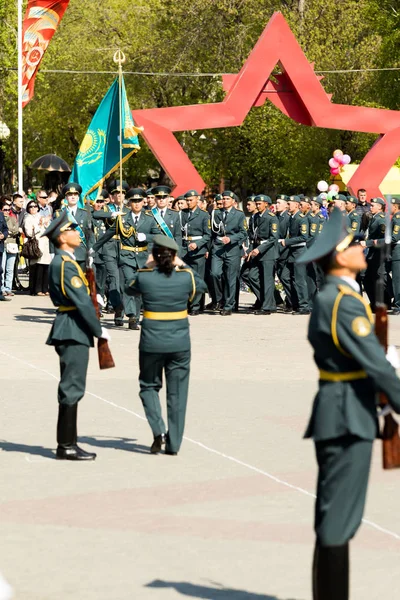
230, 518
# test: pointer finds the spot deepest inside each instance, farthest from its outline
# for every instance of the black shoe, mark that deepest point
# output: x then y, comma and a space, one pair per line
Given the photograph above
119, 322
263, 312
256, 305
194, 313
169, 453
133, 324
213, 306
301, 312
395, 312
4, 298
225, 313
156, 446
74, 453
110, 309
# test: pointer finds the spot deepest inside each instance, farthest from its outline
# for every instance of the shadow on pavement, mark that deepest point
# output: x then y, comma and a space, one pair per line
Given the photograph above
117, 443
210, 593
34, 319
49, 311
25, 449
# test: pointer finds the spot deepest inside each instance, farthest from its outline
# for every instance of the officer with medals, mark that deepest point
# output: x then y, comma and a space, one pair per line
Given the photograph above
79, 216
168, 221
166, 288
352, 369
196, 236
374, 237
229, 231
395, 210
262, 255
353, 217
72, 333
135, 230
294, 274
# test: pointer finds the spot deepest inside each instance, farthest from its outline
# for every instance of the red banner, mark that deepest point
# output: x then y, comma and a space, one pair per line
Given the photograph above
40, 23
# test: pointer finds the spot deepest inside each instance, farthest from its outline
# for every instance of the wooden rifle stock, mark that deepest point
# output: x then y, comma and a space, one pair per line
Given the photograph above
390, 433
106, 360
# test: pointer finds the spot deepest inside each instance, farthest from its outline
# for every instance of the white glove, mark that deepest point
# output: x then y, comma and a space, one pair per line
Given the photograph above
100, 300
105, 335
393, 357
141, 237
386, 410
90, 262
116, 214
51, 256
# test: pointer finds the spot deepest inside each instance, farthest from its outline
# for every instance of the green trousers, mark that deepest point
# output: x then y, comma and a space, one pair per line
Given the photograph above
176, 366
132, 304
344, 465
198, 264
225, 270
74, 359
259, 276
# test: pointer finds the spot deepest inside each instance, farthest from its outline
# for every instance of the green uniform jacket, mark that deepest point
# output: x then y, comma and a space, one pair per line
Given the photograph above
82, 218
196, 225
396, 236
99, 230
173, 222
342, 335
316, 224
132, 252
69, 290
354, 221
110, 248
234, 226
298, 230
165, 295
266, 235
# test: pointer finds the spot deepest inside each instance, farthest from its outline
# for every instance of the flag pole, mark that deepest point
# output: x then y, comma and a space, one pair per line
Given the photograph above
119, 58
20, 123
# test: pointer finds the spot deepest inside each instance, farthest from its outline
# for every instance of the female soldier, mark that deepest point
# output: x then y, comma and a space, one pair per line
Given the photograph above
166, 287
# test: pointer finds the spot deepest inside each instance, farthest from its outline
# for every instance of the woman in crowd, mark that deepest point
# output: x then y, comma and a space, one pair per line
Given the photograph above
10, 249
34, 225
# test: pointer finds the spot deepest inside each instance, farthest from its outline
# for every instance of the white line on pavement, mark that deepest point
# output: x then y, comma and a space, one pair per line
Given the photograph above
212, 450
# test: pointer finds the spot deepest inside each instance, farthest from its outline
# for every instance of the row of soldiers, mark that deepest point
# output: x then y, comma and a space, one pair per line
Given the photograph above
223, 246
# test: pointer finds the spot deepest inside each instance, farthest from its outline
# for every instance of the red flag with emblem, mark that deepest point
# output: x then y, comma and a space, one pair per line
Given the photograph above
41, 20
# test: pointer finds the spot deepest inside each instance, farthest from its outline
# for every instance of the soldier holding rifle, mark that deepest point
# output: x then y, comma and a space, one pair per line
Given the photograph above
72, 333
353, 368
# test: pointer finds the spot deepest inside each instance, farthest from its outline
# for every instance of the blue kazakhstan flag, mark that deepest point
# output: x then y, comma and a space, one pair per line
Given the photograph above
98, 155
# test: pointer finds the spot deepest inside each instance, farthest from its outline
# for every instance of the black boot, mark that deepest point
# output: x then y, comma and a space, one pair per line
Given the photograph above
68, 448
159, 442
331, 572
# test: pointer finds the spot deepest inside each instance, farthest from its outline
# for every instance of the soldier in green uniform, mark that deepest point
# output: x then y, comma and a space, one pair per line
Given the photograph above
80, 217
99, 230
262, 255
229, 231
72, 332
166, 287
395, 210
167, 220
196, 236
352, 369
294, 274
283, 216
135, 230
353, 217
316, 222
375, 234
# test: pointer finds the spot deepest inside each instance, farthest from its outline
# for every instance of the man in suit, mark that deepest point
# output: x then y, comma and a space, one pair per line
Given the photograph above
80, 217
135, 230
167, 220
196, 230
343, 424
229, 231
72, 333
3, 236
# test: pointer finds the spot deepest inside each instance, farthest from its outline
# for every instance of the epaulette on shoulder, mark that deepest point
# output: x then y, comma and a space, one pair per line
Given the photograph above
271, 214
397, 215
145, 270
148, 213
382, 215
67, 258
321, 216
204, 210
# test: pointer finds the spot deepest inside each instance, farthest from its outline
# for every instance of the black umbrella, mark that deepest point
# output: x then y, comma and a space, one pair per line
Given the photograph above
51, 162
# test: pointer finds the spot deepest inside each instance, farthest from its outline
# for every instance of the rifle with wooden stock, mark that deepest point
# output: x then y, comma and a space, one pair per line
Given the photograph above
390, 432
106, 360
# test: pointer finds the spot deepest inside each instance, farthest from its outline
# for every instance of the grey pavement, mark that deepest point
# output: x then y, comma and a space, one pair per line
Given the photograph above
230, 518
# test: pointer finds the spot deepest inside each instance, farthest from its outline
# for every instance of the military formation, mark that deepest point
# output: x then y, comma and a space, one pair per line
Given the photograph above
227, 247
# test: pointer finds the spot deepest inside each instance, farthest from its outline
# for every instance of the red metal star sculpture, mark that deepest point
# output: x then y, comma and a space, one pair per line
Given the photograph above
298, 94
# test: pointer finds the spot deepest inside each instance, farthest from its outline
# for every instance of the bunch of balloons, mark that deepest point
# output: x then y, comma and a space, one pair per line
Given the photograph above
338, 161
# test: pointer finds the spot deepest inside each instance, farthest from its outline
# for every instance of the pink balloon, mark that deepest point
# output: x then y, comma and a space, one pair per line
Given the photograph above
334, 187
335, 171
334, 164
337, 154
346, 159
322, 186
